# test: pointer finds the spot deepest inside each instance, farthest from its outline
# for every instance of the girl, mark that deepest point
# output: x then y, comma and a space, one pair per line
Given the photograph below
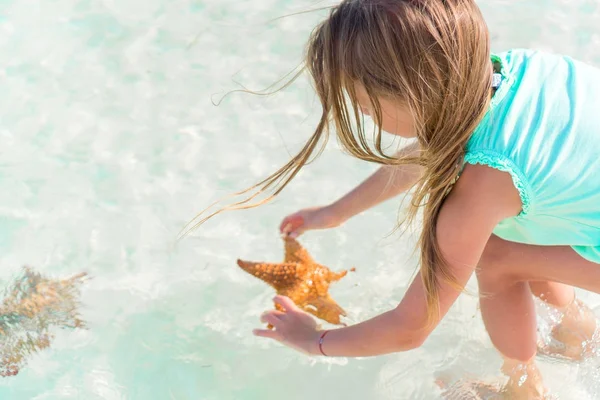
505, 167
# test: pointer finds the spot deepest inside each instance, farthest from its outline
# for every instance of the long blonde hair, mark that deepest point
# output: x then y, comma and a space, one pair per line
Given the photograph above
433, 56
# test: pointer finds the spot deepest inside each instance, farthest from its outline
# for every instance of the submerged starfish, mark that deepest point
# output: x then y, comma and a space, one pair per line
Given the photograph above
301, 279
33, 305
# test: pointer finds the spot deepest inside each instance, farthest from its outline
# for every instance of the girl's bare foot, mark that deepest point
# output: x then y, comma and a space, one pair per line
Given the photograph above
524, 381
574, 335
471, 390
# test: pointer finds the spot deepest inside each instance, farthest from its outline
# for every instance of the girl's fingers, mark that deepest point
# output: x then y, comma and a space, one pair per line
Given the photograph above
267, 333
291, 224
286, 303
271, 319
275, 313
285, 226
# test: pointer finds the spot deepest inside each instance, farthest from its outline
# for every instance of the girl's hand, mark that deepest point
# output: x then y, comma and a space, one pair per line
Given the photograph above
294, 328
309, 218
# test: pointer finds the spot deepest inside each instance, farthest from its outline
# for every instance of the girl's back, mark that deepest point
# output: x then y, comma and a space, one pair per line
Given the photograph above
544, 128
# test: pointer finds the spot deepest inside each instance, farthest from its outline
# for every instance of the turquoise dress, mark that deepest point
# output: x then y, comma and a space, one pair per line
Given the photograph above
543, 127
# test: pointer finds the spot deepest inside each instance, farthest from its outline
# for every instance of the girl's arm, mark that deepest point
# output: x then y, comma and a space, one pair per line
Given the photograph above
382, 185
481, 198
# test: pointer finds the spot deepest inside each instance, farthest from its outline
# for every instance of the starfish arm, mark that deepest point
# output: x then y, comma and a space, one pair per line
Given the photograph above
294, 252
277, 275
336, 276
325, 308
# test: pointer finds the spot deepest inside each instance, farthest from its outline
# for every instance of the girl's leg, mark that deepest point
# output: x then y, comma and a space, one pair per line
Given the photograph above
505, 271
557, 294
577, 322
509, 316
528, 263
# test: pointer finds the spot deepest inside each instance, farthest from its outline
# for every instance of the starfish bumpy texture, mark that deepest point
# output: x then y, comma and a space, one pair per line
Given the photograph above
301, 279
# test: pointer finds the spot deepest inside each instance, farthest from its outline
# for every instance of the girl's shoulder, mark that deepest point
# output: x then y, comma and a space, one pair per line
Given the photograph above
494, 185
544, 112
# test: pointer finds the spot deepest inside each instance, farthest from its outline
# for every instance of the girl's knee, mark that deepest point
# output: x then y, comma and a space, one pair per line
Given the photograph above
490, 270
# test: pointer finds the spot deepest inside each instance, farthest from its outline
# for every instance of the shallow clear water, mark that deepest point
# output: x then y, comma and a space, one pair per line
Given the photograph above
110, 144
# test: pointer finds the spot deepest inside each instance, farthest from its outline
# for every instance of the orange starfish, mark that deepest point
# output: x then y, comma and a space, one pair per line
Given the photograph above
301, 279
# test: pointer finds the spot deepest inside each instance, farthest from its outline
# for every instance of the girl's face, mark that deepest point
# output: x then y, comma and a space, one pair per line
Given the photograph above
395, 117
